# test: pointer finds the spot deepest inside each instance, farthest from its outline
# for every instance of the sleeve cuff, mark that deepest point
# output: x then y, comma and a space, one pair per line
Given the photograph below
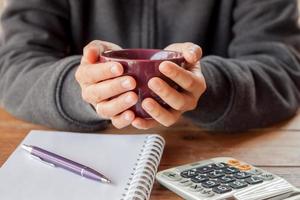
74, 107
214, 103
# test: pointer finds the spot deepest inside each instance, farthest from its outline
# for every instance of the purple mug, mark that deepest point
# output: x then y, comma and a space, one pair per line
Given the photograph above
142, 65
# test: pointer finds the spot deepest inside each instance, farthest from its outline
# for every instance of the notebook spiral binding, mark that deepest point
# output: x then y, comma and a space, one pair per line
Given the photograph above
142, 179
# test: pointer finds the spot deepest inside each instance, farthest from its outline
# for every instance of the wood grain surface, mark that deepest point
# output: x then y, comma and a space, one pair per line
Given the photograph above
276, 149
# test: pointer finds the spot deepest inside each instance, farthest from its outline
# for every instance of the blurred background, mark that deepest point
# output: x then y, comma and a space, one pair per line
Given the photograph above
2, 5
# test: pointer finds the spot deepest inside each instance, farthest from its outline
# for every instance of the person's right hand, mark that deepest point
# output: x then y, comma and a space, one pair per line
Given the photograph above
103, 86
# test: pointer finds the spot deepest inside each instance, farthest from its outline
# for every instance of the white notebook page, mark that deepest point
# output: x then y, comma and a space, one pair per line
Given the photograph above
23, 178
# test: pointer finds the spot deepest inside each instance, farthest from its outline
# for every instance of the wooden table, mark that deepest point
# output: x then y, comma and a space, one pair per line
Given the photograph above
276, 149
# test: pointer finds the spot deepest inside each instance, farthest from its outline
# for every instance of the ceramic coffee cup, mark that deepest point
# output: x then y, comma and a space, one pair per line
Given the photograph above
142, 65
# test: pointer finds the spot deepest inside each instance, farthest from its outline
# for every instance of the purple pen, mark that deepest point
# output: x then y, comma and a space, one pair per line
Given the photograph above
59, 161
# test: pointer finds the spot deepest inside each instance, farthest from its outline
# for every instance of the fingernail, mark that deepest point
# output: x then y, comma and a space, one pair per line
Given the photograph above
165, 68
155, 86
126, 84
129, 99
127, 116
115, 70
149, 106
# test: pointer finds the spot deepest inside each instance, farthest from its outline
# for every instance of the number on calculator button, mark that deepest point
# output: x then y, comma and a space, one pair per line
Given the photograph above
226, 179
230, 170
241, 175
199, 178
216, 174
205, 169
219, 165
221, 189
189, 173
210, 184
238, 184
254, 180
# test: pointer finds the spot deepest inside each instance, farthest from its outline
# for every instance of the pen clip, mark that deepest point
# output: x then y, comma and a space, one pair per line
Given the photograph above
39, 159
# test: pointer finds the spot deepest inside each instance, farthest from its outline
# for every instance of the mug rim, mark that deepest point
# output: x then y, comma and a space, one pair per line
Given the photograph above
180, 57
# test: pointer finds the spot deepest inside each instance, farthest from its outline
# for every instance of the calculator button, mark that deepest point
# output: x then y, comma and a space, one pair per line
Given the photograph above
241, 175
195, 188
210, 184
254, 180
226, 179
206, 193
267, 177
205, 169
172, 176
199, 178
185, 182
233, 162
216, 174
238, 184
256, 171
230, 170
220, 165
244, 167
189, 173
221, 189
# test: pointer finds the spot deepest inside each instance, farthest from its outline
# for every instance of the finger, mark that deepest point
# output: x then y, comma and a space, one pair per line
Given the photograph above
92, 51
191, 52
90, 56
140, 123
115, 106
94, 73
187, 80
122, 120
104, 90
172, 97
160, 114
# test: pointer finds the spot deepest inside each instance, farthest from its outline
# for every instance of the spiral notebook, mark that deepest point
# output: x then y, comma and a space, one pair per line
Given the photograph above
130, 161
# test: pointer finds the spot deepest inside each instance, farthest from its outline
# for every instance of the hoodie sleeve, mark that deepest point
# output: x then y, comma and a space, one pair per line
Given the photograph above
259, 83
37, 81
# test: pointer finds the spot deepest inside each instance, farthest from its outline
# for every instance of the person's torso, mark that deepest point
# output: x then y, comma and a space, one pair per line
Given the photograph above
153, 23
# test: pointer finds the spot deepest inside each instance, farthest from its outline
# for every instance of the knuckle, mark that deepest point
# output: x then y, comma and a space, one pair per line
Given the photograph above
166, 93
91, 92
78, 74
85, 96
180, 105
174, 72
190, 83
203, 83
156, 114
102, 111
193, 105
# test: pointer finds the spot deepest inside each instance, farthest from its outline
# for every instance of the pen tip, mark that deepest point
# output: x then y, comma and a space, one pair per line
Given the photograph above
106, 180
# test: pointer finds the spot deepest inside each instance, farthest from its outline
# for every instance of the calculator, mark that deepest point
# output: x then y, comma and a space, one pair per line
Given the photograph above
226, 178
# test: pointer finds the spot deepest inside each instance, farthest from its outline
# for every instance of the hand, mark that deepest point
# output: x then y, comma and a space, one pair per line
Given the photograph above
103, 86
190, 80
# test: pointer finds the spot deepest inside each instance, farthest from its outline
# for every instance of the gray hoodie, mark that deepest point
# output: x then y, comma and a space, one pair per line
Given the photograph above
251, 56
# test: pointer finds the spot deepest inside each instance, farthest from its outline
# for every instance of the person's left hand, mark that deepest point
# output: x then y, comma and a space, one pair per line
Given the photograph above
190, 80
